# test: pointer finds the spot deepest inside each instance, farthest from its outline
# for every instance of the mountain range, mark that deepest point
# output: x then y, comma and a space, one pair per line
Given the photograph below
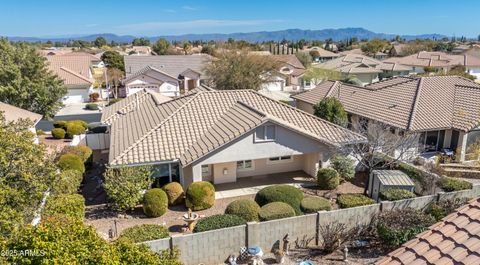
288, 34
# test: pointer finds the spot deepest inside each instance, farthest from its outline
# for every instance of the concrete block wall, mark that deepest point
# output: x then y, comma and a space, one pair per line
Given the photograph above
158, 245
352, 217
417, 203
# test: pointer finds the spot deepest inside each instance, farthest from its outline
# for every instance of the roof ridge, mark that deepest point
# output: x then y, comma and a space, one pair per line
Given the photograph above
128, 104
415, 103
194, 95
75, 74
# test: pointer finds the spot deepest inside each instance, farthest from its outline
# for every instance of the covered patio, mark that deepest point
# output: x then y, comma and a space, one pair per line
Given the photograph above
251, 185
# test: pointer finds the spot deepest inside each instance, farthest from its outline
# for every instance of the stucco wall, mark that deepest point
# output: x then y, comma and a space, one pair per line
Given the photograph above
224, 172
263, 167
307, 107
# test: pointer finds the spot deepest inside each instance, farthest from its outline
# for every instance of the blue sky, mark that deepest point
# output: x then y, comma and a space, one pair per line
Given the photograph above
153, 18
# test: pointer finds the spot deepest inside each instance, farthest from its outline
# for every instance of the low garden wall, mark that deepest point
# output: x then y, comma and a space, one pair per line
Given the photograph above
214, 247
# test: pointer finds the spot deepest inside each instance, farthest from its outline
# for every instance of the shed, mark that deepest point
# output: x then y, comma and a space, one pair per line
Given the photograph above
388, 179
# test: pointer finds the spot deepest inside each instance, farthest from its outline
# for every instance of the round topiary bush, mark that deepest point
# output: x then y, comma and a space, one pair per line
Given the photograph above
200, 195
353, 200
175, 193
71, 161
244, 208
396, 194
58, 133
74, 129
91, 106
315, 204
217, 222
145, 232
345, 166
82, 151
281, 193
328, 178
60, 124
155, 203
276, 210
451, 184
84, 124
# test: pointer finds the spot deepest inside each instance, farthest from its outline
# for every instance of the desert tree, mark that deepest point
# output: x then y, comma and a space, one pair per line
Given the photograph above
331, 109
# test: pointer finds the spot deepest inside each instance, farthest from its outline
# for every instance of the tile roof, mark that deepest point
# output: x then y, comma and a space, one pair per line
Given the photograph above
435, 59
453, 240
145, 70
13, 113
323, 52
357, 63
290, 59
393, 178
186, 128
72, 69
416, 104
174, 65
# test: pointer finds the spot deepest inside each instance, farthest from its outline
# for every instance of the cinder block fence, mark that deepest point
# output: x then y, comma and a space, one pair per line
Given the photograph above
214, 247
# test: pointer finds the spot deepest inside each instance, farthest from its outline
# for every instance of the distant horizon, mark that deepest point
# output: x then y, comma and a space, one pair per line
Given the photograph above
56, 18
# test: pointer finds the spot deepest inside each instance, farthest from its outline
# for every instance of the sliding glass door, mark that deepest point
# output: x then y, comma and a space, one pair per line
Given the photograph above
165, 173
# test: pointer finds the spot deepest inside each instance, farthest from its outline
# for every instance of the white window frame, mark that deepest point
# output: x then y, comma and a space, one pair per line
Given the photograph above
265, 133
281, 159
243, 168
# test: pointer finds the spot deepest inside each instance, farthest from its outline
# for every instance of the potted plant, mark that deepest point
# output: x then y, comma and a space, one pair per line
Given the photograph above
280, 256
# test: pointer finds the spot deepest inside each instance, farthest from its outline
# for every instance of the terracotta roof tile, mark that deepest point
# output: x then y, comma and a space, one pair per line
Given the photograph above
435, 59
72, 69
13, 113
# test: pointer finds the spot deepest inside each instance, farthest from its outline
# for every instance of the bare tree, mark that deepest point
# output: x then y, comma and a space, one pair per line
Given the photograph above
114, 78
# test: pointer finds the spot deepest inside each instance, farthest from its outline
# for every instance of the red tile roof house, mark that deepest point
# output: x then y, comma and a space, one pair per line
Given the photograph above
453, 240
218, 136
170, 75
444, 110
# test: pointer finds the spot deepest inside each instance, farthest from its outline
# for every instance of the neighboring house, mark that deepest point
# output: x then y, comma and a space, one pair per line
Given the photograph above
288, 77
377, 55
323, 55
76, 73
442, 109
439, 61
453, 240
139, 50
170, 75
368, 70
218, 136
55, 51
13, 114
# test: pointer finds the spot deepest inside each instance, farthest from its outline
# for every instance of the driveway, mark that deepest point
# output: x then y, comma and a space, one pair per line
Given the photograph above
72, 111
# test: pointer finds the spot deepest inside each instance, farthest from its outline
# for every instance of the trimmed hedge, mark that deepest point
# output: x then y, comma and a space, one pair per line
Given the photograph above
451, 184
398, 226
217, 221
74, 129
328, 178
91, 106
113, 101
345, 166
72, 205
71, 161
276, 210
353, 200
155, 203
281, 193
200, 195
68, 182
315, 204
244, 208
396, 194
82, 151
84, 124
58, 133
174, 192
60, 124
145, 232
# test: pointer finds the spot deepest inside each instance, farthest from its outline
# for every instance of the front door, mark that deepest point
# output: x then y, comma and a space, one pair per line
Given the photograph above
191, 84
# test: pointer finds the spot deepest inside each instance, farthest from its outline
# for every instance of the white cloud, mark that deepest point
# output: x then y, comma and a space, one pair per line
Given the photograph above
195, 24
191, 8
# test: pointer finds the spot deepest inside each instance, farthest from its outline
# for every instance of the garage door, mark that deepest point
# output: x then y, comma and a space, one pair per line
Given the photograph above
76, 96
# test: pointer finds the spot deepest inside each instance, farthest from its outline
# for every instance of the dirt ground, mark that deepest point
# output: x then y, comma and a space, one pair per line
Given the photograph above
53, 145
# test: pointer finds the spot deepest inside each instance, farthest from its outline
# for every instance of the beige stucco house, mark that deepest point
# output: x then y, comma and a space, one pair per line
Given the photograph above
218, 136
442, 109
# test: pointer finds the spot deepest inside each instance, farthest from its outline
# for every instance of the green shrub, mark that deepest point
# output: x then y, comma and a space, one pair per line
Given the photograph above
353, 200
155, 203
200, 195
281, 193
60, 124
91, 106
82, 151
411, 171
315, 204
399, 226
71, 161
244, 208
68, 182
328, 179
175, 193
451, 184
40, 132
72, 205
345, 166
58, 133
74, 129
396, 194
276, 210
113, 101
145, 232
84, 124
440, 209
217, 222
